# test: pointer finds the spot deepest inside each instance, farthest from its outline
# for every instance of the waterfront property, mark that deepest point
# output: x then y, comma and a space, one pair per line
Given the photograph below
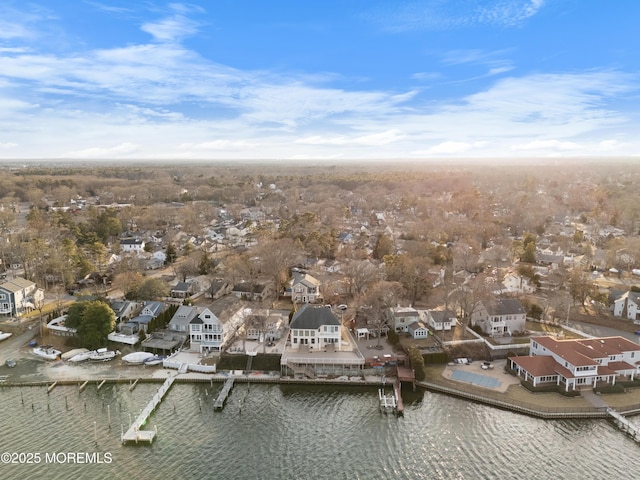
19, 296
576, 363
206, 332
315, 326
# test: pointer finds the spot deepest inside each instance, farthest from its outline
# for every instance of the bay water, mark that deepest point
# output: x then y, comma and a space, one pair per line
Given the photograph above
295, 432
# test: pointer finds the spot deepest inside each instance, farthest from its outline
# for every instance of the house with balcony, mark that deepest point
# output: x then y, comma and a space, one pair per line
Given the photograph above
315, 327
500, 317
578, 363
206, 332
19, 296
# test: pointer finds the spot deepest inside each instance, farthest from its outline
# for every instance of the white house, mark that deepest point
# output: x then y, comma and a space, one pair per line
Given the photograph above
499, 317
518, 283
441, 319
576, 363
206, 332
627, 306
315, 326
19, 296
132, 245
418, 330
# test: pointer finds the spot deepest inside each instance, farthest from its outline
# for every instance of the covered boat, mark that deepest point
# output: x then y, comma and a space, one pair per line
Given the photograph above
5, 335
72, 353
137, 358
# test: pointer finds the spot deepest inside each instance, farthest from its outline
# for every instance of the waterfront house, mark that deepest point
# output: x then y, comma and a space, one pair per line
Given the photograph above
576, 363
315, 326
181, 319
19, 296
206, 332
149, 311
499, 317
123, 309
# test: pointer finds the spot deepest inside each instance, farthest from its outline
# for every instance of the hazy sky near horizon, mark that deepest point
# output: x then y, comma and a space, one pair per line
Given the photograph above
331, 79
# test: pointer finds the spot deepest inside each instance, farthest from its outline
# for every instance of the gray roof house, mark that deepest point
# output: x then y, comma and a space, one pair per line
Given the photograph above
181, 319
499, 317
315, 327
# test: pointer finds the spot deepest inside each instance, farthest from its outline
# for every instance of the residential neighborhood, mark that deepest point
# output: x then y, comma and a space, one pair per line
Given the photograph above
288, 271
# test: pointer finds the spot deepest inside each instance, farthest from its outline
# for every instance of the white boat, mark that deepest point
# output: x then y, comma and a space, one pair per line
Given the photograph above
103, 355
137, 358
4, 335
82, 356
72, 353
47, 352
155, 360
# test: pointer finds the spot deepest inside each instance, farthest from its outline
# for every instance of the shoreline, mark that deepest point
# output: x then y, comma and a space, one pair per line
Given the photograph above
537, 407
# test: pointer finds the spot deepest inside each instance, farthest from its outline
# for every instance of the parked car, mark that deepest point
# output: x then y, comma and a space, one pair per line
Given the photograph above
487, 366
463, 361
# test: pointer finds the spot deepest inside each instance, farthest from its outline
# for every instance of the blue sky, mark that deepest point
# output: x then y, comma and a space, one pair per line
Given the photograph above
330, 79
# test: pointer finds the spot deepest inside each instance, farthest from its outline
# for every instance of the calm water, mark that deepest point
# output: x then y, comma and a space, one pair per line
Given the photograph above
274, 432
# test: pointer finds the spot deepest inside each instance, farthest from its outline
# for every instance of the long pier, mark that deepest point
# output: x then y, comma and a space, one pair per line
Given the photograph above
224, 393
134, 434
625, 425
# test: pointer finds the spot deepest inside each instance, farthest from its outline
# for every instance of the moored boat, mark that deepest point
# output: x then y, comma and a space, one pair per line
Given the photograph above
103, 355
137, 358
47, 352
5, 335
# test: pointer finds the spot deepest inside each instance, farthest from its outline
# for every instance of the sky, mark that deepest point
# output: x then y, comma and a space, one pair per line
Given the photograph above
319, 80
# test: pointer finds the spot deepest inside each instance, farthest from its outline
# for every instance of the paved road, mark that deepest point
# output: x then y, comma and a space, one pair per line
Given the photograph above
600, 331
10, 347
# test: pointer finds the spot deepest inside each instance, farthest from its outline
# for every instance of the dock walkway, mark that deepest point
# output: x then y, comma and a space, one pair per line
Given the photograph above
219, 403
625, 425
134, 434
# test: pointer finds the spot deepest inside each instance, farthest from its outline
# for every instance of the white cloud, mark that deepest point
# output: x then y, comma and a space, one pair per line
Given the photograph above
118, 151
162, 100
442, 15
175, 26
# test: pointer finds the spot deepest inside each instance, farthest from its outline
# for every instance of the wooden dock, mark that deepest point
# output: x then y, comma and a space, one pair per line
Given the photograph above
625, 425
397, 391
224, 393
135, 434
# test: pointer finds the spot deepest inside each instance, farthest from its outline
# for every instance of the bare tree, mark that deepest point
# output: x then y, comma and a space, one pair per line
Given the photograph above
360, 274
